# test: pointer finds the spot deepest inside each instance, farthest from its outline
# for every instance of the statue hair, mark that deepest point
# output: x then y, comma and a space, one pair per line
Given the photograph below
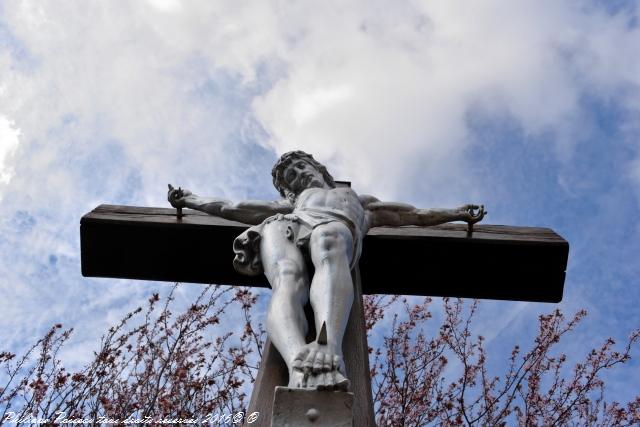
285, 160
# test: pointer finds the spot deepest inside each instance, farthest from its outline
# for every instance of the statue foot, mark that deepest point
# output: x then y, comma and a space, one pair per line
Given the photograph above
297, 379
316, 358
330, 381
316, 367
322, 381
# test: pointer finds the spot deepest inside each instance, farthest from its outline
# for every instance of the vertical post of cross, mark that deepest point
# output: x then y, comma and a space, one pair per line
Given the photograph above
272, 378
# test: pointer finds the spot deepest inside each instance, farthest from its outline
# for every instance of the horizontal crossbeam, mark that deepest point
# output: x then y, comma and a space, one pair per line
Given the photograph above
496, 262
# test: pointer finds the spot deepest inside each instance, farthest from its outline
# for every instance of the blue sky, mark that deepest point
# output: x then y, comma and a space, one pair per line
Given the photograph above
530, 107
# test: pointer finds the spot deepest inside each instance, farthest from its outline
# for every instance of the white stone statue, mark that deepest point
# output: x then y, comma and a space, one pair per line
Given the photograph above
318, 221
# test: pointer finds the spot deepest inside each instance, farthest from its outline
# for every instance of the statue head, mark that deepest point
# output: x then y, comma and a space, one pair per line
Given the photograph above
286, 160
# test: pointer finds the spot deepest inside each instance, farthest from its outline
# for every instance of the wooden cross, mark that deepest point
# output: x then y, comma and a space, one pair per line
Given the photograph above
494, 262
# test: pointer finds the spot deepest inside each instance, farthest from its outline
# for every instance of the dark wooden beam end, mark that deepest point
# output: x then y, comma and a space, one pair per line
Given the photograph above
496, 262
152, 244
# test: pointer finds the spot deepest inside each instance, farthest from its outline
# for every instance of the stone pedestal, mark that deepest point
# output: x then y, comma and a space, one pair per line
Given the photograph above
294, 407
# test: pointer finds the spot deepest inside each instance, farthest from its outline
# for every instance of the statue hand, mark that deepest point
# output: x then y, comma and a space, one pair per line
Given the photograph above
177, 196
469, 214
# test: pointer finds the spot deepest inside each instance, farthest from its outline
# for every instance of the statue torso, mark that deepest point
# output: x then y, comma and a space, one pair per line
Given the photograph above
341, 200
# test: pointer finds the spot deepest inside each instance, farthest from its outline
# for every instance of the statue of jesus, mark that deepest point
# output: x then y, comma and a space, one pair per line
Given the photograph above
323, 223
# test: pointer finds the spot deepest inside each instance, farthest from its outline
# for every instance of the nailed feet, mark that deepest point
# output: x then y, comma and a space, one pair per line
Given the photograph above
317, 367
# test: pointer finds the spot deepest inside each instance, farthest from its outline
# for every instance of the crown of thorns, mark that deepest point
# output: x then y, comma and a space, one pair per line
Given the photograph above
286, 159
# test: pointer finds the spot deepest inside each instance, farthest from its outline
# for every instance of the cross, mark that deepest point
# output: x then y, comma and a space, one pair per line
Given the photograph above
492, 262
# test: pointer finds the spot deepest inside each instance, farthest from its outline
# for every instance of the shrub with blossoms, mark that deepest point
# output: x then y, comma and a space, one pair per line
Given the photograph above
158, 365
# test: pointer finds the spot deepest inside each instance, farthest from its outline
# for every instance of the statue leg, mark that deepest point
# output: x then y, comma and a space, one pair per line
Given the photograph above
331, 248
285, 269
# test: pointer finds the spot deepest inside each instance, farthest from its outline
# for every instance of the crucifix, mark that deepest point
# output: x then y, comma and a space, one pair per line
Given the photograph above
307, 247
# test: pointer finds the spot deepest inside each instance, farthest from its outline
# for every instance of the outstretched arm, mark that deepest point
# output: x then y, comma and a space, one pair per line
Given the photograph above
249, 212
396, 214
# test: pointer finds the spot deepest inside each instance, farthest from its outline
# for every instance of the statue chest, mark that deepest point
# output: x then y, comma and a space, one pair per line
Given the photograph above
338, 199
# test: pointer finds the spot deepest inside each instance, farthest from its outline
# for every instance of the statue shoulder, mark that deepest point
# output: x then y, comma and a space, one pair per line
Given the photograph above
367, 199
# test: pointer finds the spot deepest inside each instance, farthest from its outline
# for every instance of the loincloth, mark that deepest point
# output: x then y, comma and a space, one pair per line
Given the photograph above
300, 225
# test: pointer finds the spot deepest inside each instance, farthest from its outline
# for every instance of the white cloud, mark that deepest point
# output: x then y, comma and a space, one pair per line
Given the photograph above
166, 5
362, 85
415, 72
9, 139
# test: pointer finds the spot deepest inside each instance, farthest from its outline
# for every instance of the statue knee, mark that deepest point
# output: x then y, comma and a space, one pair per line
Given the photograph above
289, 269
289, 282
